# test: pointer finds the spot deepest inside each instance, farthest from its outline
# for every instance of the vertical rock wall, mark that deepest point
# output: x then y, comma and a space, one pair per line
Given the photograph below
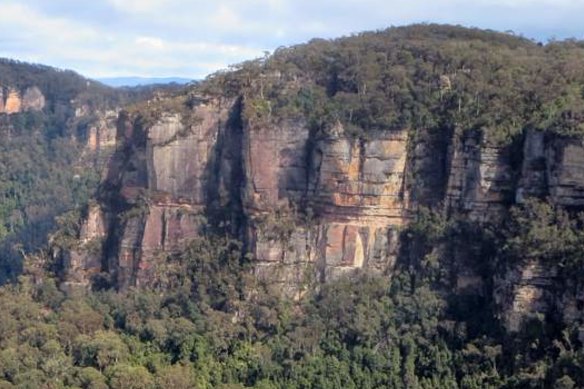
160, 176
354, 190
13, 101
552, 167
312, 206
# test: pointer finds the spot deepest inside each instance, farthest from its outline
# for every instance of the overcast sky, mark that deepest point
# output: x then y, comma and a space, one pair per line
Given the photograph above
192, 38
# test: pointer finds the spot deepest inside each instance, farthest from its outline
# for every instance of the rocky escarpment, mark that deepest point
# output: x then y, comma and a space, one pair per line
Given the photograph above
59, 131
265, 179
324, 158
552, 168
309, 205
16, 101
159, 178
355, 192
98, 136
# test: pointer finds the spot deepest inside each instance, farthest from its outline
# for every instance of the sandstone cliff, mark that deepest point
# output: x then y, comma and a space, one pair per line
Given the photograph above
310, 206
319, 158
31, 99
167, 174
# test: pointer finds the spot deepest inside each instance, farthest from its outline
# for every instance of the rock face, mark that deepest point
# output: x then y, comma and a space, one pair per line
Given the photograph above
524, 292
166, 174
161, 173
101, 136
481, 179
31, 100
552, 167
354, 188
311, 205
83, 262
13, 102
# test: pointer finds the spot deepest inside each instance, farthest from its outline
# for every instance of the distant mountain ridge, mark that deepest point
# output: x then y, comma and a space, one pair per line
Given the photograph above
141, 81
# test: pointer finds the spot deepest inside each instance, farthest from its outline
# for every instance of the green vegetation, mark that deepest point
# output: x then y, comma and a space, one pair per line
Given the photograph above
38, 181
60, 87
541, 231
42, 173
210, 324
418, 77
207, 322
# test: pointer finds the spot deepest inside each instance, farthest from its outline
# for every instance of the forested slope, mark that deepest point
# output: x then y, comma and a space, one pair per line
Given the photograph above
57, 128
400, 208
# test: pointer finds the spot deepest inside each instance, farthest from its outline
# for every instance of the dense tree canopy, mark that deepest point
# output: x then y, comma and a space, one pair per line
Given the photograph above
421, 77
209, 323
206, 329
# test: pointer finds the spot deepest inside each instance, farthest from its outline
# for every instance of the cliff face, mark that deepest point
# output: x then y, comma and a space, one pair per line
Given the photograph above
313, 206
58, 132
552, 167
157, 181
354, 190
319, 157
31, 99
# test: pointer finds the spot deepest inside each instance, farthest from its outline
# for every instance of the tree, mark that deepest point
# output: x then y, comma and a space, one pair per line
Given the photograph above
124, 376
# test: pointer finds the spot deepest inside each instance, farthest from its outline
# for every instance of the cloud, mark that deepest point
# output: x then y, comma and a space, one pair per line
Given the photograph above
148, 42
138, 6
192, 38
531, 3
226, 16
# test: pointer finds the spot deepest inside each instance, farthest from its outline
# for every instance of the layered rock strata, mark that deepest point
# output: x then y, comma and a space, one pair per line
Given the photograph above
13, 101
311, 206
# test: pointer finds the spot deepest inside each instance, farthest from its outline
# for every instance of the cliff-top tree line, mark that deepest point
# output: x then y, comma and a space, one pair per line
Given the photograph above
422, 76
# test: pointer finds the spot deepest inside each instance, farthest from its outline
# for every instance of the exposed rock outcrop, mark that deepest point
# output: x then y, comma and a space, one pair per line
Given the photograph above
31, 100
553, 166
313, 205
13, 102
355, 190
168, 174
524, 292
101, 137
161, 174
84, 261
481, 179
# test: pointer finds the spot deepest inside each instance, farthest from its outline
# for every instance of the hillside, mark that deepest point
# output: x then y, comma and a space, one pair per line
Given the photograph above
58, 129
400, 208
317, 157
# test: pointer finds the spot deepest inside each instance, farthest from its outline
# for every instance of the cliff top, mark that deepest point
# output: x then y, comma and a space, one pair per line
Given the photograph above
421, 76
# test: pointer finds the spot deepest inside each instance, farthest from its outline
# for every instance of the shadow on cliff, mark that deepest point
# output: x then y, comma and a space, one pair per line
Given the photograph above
121, 172
225, 178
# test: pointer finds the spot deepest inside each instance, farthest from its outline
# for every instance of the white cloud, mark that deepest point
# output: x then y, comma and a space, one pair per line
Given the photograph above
530, 3
191, 38
226, 16
29, 23
138, 6
150, 42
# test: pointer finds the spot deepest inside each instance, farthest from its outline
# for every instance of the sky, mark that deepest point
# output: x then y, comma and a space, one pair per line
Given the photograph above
192, 38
